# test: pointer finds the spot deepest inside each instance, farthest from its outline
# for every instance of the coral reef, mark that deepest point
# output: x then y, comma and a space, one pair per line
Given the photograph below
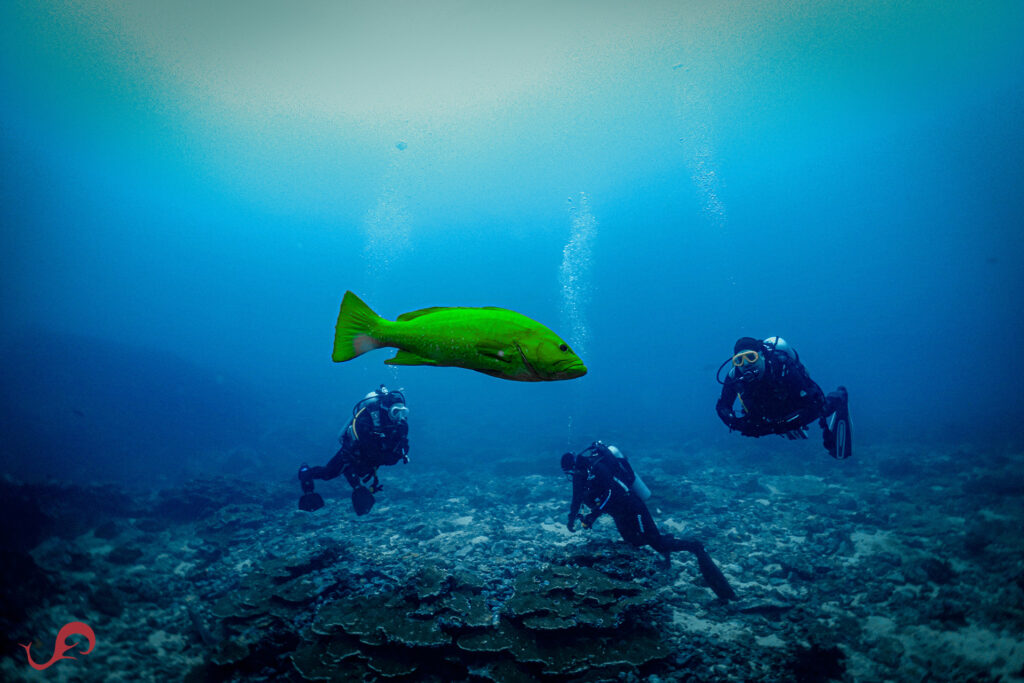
859, 573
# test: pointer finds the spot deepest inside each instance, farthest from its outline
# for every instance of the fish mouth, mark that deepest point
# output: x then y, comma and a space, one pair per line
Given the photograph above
569, 368
573, 370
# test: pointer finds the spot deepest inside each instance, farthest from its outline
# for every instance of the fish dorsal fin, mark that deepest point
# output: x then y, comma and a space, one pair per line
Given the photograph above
425, 311
437, 309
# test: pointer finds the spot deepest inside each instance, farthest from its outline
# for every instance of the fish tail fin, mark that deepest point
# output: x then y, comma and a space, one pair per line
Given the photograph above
354, 331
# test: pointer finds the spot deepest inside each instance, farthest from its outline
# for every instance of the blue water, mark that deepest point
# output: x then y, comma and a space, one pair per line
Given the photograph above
186, 193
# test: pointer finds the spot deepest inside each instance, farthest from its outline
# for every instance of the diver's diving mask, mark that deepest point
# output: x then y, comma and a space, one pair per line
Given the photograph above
748, 366
398, 412
745, 358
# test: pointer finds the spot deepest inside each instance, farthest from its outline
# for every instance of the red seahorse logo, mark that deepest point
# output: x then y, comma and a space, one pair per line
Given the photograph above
60, 648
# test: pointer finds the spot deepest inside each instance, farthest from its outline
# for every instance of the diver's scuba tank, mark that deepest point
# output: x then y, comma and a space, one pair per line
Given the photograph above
782, 346
637, 485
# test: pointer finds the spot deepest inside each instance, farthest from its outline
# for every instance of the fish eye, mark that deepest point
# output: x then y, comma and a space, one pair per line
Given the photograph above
563, 347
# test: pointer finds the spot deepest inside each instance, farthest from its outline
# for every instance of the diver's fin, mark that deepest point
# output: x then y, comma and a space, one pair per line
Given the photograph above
353, 333
311, 502
409, 358
362, 500
714, 576
838, 431
844, 438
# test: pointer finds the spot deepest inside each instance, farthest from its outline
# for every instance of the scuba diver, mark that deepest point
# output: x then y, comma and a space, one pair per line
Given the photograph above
604, 481
377, 435
768, 391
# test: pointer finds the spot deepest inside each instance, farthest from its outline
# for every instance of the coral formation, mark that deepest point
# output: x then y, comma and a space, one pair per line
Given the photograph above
449, 579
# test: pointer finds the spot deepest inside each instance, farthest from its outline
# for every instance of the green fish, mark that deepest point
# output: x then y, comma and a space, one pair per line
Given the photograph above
494, 341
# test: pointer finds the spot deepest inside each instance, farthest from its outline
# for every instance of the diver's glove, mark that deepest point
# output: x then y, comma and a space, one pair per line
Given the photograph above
571, 524
726, 415
309, 501
755, 427
305, 479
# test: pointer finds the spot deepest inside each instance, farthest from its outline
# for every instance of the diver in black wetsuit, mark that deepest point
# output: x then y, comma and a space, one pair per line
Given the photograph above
768, 391
377, 435
604, 481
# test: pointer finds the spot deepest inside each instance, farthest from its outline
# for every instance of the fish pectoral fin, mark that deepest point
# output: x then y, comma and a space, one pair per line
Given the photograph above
409, 358
496, 351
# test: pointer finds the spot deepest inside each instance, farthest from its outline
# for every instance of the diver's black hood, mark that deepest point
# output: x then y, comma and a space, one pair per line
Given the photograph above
747, 344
